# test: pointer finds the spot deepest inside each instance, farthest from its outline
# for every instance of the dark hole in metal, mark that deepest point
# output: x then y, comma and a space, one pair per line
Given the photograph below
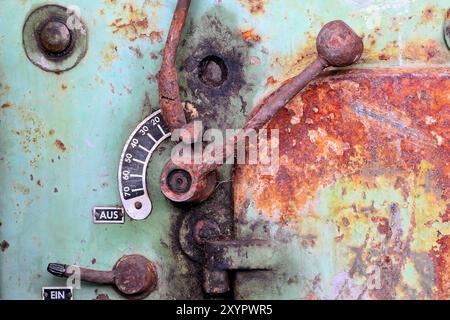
179, 181
138, 205
213, 71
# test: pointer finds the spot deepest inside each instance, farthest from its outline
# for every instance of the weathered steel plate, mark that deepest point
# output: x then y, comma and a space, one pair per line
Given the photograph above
362, 187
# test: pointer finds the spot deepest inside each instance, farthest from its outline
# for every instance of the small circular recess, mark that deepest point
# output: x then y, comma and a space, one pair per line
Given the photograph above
179, 181
213, 71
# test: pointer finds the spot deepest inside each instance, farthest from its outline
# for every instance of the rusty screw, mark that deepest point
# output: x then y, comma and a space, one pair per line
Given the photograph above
133, 275
337, 45
55, 37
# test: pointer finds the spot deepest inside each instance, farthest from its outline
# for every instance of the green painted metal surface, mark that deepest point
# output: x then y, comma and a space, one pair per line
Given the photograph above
61, 135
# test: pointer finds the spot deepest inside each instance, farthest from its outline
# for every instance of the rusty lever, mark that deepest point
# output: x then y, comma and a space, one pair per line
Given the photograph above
169, 92
132, 275
337, 45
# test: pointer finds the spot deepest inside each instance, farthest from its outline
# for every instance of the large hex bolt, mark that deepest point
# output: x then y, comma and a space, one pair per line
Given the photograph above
133, 275
337, 45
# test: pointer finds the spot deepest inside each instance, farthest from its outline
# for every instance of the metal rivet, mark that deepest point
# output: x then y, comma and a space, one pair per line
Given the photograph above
55, 37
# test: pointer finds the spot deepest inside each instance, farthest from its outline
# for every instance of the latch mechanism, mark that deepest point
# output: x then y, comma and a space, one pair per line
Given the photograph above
133, 275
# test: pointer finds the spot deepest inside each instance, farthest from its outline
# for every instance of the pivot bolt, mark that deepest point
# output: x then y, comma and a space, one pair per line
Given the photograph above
179, 181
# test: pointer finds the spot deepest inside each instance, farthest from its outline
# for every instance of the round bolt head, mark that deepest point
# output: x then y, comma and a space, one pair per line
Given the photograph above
338, 44
50, 42
55, 37
135, 276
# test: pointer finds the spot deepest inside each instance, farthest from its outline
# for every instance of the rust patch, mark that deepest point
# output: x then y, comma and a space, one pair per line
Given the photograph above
102, 296
60, 145
428, 14
6, 105
4, 245
342, 121
254, 6
441, 257
249, 36
368, 153
271, 81
109, 54
135, 25
425, 50
137, 52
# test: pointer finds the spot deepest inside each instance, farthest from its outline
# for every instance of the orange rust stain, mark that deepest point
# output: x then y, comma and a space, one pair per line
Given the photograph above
349, 122
441, 257
378, 131
428, 14
371, 39
425, 51
254, 6
390, 51
6, 105
135, 25
417, 50
63, 87
156, 36
271, 81
249, 36
60, 145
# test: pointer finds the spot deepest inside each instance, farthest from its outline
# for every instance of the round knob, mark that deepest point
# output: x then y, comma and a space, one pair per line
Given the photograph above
135, 275
55, 37
338, 44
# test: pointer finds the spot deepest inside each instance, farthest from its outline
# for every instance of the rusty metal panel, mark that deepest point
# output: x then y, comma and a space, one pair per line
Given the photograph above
363, 185
359, 205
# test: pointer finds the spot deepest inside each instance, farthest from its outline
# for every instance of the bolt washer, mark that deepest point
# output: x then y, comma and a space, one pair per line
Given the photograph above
35, 52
